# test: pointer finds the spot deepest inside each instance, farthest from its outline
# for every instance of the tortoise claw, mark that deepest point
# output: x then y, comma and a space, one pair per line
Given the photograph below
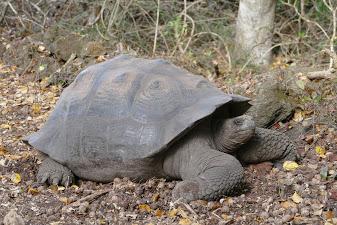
54, 173
42, 178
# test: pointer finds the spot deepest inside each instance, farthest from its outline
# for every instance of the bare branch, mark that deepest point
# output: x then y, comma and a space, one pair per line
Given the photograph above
306, 19
156, 31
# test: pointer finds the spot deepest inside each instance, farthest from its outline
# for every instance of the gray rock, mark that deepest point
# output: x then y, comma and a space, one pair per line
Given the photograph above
12, 218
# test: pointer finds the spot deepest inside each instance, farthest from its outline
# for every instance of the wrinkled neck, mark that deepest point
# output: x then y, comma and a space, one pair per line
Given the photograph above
221, 140
228, 138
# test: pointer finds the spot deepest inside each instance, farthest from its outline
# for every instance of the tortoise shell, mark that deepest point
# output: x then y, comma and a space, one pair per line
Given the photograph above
128, 108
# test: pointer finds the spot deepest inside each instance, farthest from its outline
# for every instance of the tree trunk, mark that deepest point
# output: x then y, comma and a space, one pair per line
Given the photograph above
254, 31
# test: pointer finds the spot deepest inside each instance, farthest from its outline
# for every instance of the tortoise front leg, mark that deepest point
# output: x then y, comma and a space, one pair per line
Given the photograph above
206, 173
267, 145
53, 172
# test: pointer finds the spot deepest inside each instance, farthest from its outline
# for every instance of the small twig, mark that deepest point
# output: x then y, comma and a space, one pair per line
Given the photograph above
66, 9
12, 8
217, 216
32, 21
323, 74
100, 33
222, 41
102, 14
193, 3
192, 32
333, 58
268, 50
185, 11
37, 8
113, 16
2, 16
88, 198
149, 17
186, 206
27, 67
16, 13
306, 19
156, 31
71, 58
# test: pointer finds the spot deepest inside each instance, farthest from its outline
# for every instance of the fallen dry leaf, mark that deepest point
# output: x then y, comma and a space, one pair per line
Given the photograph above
309, 138
32, 191
23, 89
288, 204
13, 157
333, 194
5, 126
320, 151
296, 198
53, 188
318, 212
182, 213
144, 208
61, 188
41, 48
7, 69
75, 187
290, 165
329, 215
3, 151
16, 178
42, 67
185, 221
159, 213
227, 218
155, 197
36, 109
65, 200
298, 219
230, 201
173, 212
332, 221
101, 221
298, 116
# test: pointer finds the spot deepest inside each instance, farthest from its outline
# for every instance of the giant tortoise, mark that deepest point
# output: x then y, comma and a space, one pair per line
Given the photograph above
141, 118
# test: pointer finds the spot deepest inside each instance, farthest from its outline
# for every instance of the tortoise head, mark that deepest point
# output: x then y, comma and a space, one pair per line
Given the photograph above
231, 133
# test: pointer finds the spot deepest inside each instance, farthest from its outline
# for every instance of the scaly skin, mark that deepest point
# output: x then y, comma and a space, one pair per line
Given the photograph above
54, 173
267, 145
206, 172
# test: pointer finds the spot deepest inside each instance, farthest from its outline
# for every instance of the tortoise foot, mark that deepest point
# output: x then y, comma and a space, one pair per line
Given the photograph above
54, 173
186, 191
